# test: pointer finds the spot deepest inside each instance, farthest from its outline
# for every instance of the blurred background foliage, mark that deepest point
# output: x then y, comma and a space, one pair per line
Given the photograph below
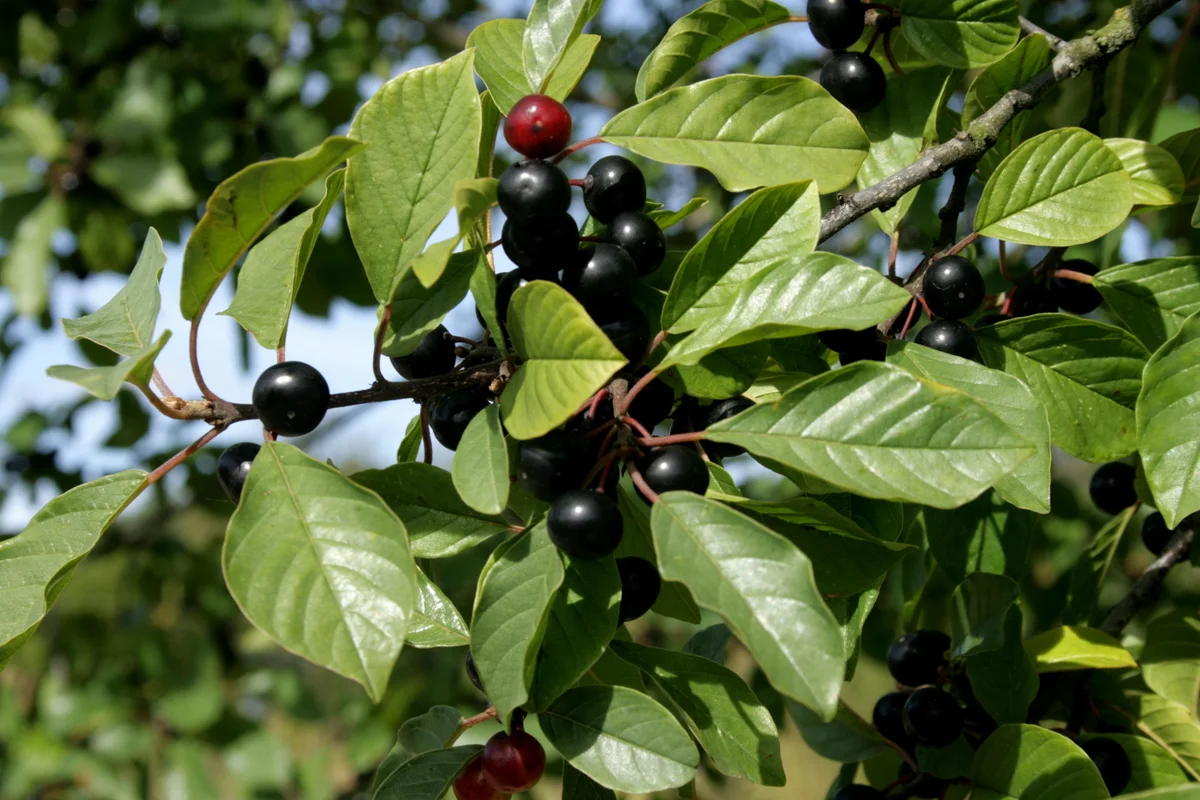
116, 115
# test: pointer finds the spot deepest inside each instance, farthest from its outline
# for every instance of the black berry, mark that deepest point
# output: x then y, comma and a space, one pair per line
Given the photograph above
932, 717
948, 336
600, 276
677, 468
434, 355
473, 672
506, 286
855, 80
538, 126
1112, 761
952, 287
724, 409
531, 192
614, 184
585, 524
1076, 296
888, 718
1033, 299
1155, 533
640, 585
542, 250
233, 466
653, 403
858, 791
916, 658
552, 464
990, 319
449, 415
628, 330
290, 398
1112, 488
836, 24
641, 237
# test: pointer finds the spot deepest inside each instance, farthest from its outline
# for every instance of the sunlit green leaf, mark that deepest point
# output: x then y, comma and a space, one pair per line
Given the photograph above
480, 469
1157, 178
551, 29
1171, 658
435, 622
125, 324
105, 382
498, 44
1074, 647
961, 33
1016, 761
1031, 55
1153, 297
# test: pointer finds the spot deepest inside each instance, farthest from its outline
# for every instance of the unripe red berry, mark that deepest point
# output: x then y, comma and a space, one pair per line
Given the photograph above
513, 762
538, 126
474, 785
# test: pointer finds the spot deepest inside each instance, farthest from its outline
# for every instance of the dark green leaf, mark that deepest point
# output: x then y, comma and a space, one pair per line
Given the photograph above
980, 606
846, 738
427, 776
985, 535
1005, 681
1154, 297
1025, 762
1091, 570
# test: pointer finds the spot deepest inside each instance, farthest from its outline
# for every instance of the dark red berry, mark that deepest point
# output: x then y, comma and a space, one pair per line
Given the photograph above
473, 672
1155, 533
855, 80
1112, 761
473, 784
1076, 296
601, 276
449, 415
653, 403
888, 718
858, 791
640, 236
952, 287
932, 717
513, 762
629, 331
434, 355
538, 126
290, 398
1031, 299
530, 192
1112, 488
836, 24
948, 336
542, 250
614, 184
552, 464
677, 468
640, 585
585, 524
234, 465
916, 658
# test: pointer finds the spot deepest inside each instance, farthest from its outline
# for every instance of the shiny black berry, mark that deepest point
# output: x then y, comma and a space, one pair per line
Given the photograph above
543, 249
552, 464
836, 24
473, 672
1112, 761
653, 403
932, 717
724, 409
1033, 299
629, 331
952, 287
233, 466
530, 192
948, 336
858, 791
990, 319
641, 237
916, 658
855, 80
613, 185
600, 276
585, 524
449, 415
1112, 488
640, 585
434, 355
506, 286
1076, 296
290, 398
1155, 533
678, 468
888, 718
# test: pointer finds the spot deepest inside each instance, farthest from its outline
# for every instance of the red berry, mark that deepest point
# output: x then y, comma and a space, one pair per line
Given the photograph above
513, 762
474, 785
538, 126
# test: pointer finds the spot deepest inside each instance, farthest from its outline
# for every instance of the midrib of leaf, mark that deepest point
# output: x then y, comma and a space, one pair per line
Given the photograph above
1126, 516
1048, 198
1154, 737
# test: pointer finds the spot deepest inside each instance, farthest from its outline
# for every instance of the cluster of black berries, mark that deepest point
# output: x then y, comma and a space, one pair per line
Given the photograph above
1042, 296
854, 79
953, 289
1112, 490
510, 763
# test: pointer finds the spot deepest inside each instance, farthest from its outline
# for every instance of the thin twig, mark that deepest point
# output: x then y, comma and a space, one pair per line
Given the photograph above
471, 722
575, 148
183, 455
633, 392
887, 53
1147, 587
194, 357
175, 410
1072, 275
376, 356
956, 203
1032, 29
645, 432
893, 251
655, 343
157, 377
650, 440
639, 481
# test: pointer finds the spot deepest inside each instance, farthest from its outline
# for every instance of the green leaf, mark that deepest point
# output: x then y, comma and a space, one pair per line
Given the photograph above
1185, 147
498, 45
424, 733
1169, 725
410, 445
748, 131
270, 277
1157, 178
480, 469
815, 292
1005, 681
39, 129
724, 715
512, 609
724, 373
1061, 188
1154, 297
421, 130
1135, 88
427, 776
1087, 375
980, 606
25, 267
1171, 658
321, 565
241, 208
985, 535
435, 622
898, 129
770, 225
148, 183
674, 600
105, 382
846, 738
582, 622
1152, 767
417, 310
1168, 424
1074, 647
699, 34
961, 33
621, 739
1031, 55
950, 762
1091, 570
423, 496
667, 218
567, 358
1027, 486
37, 563
774, 608
551, 29
879, 431
577, 786
1026, 762
473, 198
125, 324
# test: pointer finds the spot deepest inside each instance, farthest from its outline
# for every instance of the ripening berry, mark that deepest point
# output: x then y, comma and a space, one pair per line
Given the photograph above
538, 126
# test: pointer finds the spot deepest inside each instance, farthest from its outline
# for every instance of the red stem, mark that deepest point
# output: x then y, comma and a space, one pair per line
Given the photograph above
376, 356
183, 455
674, 438
893, 249
633, 392
963, 244
887, 52
640, 482
575, 148
595, 406
1072, 275
592, 434
639, 427
912, 310
654, 345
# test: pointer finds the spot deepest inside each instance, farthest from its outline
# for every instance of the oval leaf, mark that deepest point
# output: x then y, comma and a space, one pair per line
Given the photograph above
1153, 297
1074, 647
480, 468
435, 622
552, 27
498, 44
105, 382
1171, 659
125, 324
1157, 178
979, 608
1027, 762
961, 33
427, 776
